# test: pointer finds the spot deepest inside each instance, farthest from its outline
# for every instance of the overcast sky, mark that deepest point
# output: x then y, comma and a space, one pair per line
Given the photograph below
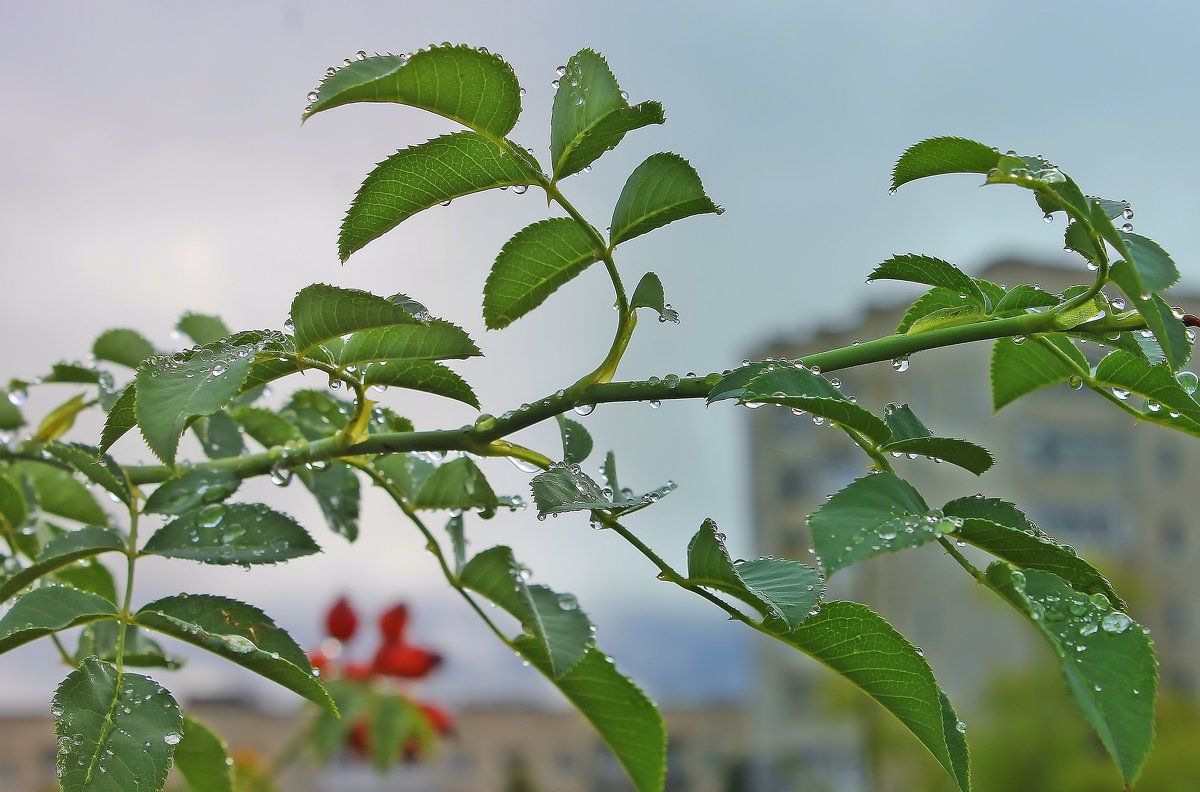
153, 162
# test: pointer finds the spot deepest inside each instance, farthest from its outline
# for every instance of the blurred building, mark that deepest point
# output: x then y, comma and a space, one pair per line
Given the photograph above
1083, 471
495, 749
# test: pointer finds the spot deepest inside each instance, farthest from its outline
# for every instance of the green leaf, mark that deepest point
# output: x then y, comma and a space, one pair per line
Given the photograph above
1168, 331
421, 375
947, 317
1127, 372
122, 417
931, 303
1106, 658
203, 759
127, 347
202, 328
60, 552
234, 533
876, 514
562, 631
240, 633
14, 509
458, 541
532, 265
940, 155
74, 374
1003, 530
931, 271
60, 420
861, 646
98, 468
661, 190
1152, 265
406, 472
609, 472
219, 436
649, 294
321, 313
1023, 297
423, 176
903, 423
910, 436
171, 391
733, 384
116, 731
1019, 369
782, 591
10, 416
46, 610
88, 575
100, 640
59, 493
436, 340
337, 492
799, 388
624, 717
392, 719
576, 441
457, 484
563, 487
194, 488
591, 115
475, 88
268, 428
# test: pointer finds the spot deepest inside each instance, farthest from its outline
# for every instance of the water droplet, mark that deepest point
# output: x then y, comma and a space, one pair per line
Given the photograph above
1075, 382
1188, 381
900, 364
583, 409
1048, 218
281, 474
520, 189
172, 738
211, 515
655, 403
360, 55
561, 71
1118, 303
18, 396
1120, 394
554, 84
1018, 339
524, 466
960, 727
346, 61
1116, 622
1127, 227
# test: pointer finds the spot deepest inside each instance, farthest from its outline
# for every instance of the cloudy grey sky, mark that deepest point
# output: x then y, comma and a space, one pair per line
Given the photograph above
153, 162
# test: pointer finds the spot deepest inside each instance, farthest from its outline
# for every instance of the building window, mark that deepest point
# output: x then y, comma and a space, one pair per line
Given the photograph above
1172, 535
1067, 449
1094, 524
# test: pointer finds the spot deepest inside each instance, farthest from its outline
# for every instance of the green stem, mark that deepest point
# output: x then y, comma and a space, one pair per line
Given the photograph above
477, 439
131, 553
952, 551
